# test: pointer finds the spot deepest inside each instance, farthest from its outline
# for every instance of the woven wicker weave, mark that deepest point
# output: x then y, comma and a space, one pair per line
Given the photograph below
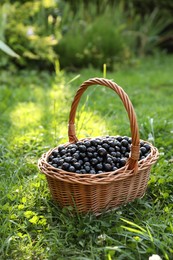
104, 191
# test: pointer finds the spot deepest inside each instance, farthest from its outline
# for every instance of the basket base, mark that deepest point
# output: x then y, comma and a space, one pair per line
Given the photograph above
98, 198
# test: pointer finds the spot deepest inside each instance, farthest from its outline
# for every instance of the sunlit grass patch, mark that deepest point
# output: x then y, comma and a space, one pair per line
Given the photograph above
26, 114
90, 124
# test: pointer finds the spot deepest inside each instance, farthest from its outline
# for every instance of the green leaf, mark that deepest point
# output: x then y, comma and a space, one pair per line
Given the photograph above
5, 48
34, 220
28, 213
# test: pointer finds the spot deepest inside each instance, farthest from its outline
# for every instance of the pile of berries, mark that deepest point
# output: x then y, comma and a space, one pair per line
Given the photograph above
95, 155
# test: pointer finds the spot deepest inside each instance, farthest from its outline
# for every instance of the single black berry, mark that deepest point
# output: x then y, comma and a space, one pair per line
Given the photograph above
87, 164
90, 155
109, 160
123, 149
119, 138
113, 154
73, 150
102, 152
100, 159
82, 155
117, 143
62, 152
126, 155
117, 148
99, 166
94, 142
147, 147
65, 166
51, 158
68, 159
112, 143
77, 165
111, 149
72, 146
143, 150
90, 150
124, 143
98, 141
122, 162
118, 154
76, 155
107, 167
94, 161
87, 168
71, 169
105, 145
74, 160
61, 147
87, 143
141, 143
82, 148
100, 172
55, 153
82, 171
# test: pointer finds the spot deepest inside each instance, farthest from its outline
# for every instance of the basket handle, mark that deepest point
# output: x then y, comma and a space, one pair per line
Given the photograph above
134, 155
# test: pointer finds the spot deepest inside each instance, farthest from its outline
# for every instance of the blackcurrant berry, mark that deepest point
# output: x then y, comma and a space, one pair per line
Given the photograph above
111, 149
113, 154
94, 161
123, 149
102, 152
77, 165
68, 159
147, 147
124, 143
118, 154
65, 166
87, 168
105, 145
82, 148
107, 167
99, 166
143, 150
62, 152
122, 162
73, 150
119, 138
55, 153
51, 158
76, 155
55, 165
87, 143
61, 147
71, 169
90, 155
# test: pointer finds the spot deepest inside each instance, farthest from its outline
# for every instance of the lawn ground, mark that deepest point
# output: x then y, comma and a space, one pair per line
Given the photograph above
34, 108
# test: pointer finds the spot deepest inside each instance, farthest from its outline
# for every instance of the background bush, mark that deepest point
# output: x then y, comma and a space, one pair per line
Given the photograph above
31, 29
81, 33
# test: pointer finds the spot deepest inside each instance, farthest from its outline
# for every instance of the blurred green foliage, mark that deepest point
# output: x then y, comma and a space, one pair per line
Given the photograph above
32, 30
81, 33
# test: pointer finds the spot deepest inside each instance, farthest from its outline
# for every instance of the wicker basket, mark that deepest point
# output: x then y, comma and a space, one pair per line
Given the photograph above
100, 192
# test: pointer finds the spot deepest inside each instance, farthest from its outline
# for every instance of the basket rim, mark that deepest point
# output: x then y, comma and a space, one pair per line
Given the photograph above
104, 177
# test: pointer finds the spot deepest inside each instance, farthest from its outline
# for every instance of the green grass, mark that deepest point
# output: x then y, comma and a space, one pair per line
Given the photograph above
34, 108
